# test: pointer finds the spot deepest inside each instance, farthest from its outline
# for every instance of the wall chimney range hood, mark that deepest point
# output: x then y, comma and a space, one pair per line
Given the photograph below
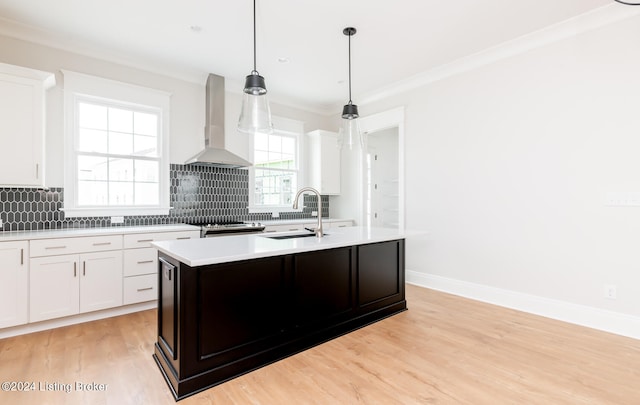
215, 154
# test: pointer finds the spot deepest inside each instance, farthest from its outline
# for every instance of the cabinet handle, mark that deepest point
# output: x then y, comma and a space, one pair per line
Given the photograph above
55, 247
145, 289
294, 229
37, 171
145, 240
145, 261
84, 268
21, 257
102, 244
184, 237
75, 270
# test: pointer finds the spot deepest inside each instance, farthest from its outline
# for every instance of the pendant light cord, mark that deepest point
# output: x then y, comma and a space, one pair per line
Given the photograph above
350, 102
627, 3
254, 38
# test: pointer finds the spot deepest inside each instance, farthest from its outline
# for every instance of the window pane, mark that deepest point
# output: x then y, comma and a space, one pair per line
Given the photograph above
92, 140
120, 143
260, 157
120, 193
92, 193
145, 124
92, 168
92, 116
147, 194
120, 169
145, 145
146, 171
288, 145
275, 143
275, 187
120, 120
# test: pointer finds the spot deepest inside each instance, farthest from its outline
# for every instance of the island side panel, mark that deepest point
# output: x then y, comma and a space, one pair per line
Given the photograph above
324, 287
380, 274
243, 308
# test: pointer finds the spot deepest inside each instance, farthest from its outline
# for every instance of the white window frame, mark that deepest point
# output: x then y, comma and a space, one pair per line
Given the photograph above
82, 87
285, 126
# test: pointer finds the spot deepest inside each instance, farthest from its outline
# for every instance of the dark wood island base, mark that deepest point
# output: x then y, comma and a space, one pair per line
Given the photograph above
219, 321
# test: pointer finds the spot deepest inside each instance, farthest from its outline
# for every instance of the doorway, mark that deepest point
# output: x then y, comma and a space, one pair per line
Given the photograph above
382, 196
382, 170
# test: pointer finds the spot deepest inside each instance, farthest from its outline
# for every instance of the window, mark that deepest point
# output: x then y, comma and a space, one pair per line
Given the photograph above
275, 174
116, 155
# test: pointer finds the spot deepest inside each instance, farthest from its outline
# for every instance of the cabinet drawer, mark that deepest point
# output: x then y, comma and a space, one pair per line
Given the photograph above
140, 288
143, 240
63, 246
140, 261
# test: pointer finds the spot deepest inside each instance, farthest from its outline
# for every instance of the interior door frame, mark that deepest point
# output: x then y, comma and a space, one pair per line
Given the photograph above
393, 118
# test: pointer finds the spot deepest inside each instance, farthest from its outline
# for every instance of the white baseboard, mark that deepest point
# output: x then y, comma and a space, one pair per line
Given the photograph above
72, 320
608, 321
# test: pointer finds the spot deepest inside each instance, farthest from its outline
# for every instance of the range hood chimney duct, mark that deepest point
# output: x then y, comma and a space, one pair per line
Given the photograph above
215, 154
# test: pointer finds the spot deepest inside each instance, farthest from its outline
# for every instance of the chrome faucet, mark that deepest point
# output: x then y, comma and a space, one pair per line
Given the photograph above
318, 230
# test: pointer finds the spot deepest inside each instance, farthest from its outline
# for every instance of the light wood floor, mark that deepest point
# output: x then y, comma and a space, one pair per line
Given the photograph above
444, 350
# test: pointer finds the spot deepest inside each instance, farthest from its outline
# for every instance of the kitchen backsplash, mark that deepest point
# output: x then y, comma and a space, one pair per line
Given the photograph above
198, 194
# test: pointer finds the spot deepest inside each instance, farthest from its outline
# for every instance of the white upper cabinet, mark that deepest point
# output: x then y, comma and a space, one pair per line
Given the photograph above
22, 123
324, 162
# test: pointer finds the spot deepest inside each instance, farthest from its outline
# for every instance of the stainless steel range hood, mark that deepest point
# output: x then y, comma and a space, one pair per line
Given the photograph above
214, 153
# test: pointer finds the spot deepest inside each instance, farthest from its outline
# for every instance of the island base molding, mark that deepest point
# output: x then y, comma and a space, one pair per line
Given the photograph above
217, 322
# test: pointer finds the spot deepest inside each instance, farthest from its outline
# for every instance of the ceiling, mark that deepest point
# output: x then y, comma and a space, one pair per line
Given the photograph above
395, 39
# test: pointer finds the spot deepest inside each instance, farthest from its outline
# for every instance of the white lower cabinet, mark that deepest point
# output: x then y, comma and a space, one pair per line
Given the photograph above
69, 276
100, 281
14, 283
141, 264
70, 284
54, 287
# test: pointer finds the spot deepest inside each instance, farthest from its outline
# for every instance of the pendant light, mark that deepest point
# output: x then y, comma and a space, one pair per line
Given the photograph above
255, 115
350, 129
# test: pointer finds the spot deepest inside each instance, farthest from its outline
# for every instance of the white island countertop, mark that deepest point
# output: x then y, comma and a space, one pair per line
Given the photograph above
224, 249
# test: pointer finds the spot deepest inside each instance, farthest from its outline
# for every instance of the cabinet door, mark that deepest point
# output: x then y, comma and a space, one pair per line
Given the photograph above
100, 280
14, 283
380, 274
242, 306
21, 131
53, 286
324, 285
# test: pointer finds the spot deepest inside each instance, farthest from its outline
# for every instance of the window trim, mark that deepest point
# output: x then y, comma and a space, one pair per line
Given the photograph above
285, 126
79, 86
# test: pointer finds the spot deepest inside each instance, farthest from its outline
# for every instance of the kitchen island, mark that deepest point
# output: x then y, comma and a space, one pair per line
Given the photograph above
229, 305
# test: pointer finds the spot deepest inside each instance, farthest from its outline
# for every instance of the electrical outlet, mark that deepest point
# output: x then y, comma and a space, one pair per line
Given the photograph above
275, 214
117, 220
610, 291
314, 213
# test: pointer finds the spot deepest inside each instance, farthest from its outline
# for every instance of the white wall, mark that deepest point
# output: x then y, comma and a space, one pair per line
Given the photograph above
187, 102
508, 166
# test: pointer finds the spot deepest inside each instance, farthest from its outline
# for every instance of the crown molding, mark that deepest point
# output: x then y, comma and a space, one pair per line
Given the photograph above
582, 23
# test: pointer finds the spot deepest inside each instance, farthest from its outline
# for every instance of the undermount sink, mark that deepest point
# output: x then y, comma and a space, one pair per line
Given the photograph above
298, 235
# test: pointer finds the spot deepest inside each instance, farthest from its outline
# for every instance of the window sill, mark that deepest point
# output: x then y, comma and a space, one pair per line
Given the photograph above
106, 212
273, 209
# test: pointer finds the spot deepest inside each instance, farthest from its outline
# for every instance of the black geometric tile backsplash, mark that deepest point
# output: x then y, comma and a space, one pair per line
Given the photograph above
198, 194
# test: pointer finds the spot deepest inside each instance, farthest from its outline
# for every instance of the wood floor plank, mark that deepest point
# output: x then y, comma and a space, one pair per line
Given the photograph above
443, 350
